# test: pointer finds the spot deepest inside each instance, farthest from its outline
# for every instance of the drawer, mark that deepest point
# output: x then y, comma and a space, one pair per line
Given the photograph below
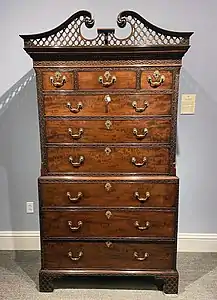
102, 131
96, 105
108, 223
156, 79
149, 193
55, 80
108, 159
108, 255
106, 80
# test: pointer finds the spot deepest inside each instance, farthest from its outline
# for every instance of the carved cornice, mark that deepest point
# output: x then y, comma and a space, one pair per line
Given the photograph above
145, 39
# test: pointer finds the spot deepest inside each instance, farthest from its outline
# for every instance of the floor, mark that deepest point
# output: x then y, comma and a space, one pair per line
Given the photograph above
19, 280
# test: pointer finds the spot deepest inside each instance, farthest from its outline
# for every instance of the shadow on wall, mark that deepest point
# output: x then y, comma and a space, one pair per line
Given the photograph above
196, 159
19, 155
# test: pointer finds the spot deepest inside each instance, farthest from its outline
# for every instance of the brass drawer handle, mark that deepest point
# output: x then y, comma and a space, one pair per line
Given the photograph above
75, 110
109, 79
80, 223
58, 80
70, 255
75, 199
143, 163
140, 109
137, 225
76, 136
140, 136
136, 255
76, 164
147, 196
156, 79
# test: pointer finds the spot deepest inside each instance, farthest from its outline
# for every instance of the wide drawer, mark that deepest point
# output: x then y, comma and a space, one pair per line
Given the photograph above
108, 255
89, 193
108, 223
102, 131
55, 80
106, 80
108, 159
97, 105
154, 79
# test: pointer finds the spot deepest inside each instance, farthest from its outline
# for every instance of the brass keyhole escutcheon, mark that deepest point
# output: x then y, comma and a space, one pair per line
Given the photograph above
108, 244
108, 150
108, 124
108, 214
108, 186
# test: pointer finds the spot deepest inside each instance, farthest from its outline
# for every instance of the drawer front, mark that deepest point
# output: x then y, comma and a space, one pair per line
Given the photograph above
112, 80
109, 194
150, 80
108, 159
56, 80
108, 255
96, 105
108, 223
102, 131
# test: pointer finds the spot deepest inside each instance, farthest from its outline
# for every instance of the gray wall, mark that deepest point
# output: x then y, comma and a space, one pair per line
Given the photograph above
19, 138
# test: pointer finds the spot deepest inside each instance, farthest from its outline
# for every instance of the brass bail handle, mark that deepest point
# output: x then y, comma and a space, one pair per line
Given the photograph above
109, 79
140, 136
75, 228
139, 164
74, 199
75, 258
76, 136
141, 199
138, 226
140, 109
156, 79
76, 109
140, 258
58, 80
76, 164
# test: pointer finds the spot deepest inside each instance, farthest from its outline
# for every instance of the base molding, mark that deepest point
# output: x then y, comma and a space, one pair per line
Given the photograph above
166, 281
30, 240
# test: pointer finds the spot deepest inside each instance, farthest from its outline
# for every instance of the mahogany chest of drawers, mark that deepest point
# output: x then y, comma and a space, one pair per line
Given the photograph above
108, 189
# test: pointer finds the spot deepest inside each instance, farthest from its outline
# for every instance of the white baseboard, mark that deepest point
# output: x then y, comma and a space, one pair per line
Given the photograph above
197, 242
19, 240
29, 240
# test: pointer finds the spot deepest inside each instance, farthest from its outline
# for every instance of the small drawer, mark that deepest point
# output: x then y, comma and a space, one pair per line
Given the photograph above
108, 223
105, 131
98, 193
106, 80
156, 79
108, 159
109, 255
56, 80
107, 105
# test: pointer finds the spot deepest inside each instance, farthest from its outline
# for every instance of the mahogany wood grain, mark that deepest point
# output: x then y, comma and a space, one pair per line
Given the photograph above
119, 255
94, 105
120, 194
90, 80
47, 85
95, 131
96, 223
119, 160
167, 84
